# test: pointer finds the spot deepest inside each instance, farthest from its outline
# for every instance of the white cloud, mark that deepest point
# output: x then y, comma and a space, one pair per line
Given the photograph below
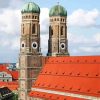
80, 44
44, 20
77, 38
44, 43
10, 21
15, 43
10, 28
11, 3
97, 37
11, 43
89, 49
81, 17
4, 4
3, 43
86, 49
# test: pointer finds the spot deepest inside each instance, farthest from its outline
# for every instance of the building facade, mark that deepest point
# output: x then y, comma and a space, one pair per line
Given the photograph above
62, 78
58, 43
5, 77
30, 60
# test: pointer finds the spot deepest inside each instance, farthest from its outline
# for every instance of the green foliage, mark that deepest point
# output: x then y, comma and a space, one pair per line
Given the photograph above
15, 97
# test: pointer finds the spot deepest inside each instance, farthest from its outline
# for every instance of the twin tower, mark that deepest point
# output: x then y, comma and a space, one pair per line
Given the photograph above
57, 43
30, 59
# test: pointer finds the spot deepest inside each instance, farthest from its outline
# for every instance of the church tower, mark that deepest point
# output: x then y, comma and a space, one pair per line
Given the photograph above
30, 60
58, 43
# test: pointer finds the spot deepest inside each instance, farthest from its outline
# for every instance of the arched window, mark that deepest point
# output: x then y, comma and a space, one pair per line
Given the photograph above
26, 16
33, 28
33, 17
23, 28
23, 45
51, 30
61, 30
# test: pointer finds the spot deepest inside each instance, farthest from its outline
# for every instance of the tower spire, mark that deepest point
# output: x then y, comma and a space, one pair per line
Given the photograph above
30, 56
57, 32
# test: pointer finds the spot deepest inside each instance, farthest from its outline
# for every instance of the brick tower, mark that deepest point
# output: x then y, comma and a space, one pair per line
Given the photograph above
58, 43
30, 55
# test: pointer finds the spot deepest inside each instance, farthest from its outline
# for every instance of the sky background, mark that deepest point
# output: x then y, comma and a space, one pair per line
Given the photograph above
83, 26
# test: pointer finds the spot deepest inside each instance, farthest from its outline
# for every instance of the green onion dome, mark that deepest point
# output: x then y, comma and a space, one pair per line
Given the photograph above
58, 10
31, 7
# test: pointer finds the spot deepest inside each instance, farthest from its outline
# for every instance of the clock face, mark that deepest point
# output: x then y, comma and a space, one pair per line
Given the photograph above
62, 45
34, 45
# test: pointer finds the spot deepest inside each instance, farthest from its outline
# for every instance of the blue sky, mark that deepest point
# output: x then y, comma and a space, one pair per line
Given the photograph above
83, 26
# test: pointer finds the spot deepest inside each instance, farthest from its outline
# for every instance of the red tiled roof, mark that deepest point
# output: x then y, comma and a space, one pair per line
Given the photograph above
14, 74
2, 67
10, 85
76, 75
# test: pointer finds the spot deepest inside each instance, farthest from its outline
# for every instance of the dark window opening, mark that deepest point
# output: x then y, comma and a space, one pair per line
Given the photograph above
3, 75
62, 46
23, 30
62, 30
35, 17
23, 45
33, 29
34, 45
51, 30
